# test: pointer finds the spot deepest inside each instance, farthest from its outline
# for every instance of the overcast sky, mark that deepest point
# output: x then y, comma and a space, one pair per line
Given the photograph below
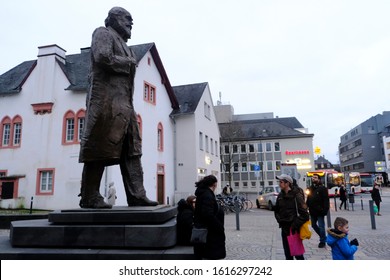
325, 62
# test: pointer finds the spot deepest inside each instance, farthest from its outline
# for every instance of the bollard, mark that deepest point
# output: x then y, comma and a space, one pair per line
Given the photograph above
328, 219
31, 205
335, 204
361, 201
351, 198
237, 208
372, 214
167, 200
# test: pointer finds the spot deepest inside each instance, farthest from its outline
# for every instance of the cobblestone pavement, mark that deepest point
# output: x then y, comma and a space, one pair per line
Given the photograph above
258, 237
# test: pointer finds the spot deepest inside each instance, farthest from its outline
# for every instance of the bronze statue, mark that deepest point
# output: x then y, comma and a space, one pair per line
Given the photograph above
111, 134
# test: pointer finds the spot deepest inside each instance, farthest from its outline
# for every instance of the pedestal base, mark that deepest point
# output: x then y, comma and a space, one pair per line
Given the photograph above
40, 233
120, 227
16, 253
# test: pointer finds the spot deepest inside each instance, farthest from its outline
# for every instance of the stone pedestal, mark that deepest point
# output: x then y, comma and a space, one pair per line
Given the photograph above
120, 227
117, 233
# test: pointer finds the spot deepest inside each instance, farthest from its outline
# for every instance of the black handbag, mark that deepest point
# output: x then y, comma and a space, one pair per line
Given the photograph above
199, 235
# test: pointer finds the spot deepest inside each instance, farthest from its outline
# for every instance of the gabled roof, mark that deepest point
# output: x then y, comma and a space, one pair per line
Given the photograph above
13, 80
76, 69
140, 51
321, 159
261, 129
188, 97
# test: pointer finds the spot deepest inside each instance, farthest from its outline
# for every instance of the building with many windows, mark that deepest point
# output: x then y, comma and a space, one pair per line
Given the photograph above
386, 148
362, 147
257, 147
42, 110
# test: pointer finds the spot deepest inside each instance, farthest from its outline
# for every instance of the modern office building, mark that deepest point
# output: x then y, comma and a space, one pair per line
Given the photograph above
386, 148
257, 147
362, 148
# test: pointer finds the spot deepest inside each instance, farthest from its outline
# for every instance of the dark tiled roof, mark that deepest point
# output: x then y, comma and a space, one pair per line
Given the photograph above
76, 69
77, 66
13, 80
141, 50
321, 159
261, 129
188, 97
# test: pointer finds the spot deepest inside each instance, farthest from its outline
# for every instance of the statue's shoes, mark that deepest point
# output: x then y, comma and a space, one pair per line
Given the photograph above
95, 204
144, 201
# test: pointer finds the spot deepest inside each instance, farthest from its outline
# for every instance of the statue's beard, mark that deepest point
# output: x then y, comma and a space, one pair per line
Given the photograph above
125, 33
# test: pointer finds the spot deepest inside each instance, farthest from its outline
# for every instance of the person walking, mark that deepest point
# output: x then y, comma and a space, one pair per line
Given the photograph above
290, 211
227, 190
376, 197
338, 241
209, 215
318, 203
343, 196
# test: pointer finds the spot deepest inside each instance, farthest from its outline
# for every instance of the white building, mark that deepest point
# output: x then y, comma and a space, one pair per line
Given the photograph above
42, 109
197, 137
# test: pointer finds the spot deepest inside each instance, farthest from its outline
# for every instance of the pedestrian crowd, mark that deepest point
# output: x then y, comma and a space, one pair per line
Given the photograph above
293, 211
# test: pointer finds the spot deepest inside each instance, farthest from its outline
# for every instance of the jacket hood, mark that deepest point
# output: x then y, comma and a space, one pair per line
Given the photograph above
182, 204
334, 235
291, 193
201, 190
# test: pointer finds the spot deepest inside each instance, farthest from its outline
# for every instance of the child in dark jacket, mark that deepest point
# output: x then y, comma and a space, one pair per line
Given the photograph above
337, 239
185, 219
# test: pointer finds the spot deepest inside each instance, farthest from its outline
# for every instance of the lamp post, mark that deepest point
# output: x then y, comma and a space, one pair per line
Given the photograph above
257, 174
263, 134
261, 165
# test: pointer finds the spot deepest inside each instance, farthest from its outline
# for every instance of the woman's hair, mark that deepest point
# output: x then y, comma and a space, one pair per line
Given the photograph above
190, 199
340, 222
206, 181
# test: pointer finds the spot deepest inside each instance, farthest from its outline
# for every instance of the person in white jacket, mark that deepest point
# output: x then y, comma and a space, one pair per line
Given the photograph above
111, 194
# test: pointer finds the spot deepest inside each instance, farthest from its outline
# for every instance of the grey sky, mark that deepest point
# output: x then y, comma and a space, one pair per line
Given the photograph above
325, 62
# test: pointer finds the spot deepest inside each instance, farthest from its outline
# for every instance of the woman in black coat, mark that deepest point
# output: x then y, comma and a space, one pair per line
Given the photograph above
376, 197
208, 214
343, 197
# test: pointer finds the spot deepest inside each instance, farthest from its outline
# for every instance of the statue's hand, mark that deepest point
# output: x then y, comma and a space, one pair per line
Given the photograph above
133, 61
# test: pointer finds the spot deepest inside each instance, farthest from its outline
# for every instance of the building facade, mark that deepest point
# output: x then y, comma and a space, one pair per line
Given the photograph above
386, 147
197, 135
255, 148
42, 110
362, 147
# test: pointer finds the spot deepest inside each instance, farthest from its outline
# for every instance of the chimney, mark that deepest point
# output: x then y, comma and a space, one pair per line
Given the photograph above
52, 50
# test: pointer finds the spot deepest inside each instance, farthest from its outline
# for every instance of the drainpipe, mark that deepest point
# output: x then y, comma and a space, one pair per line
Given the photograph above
174, 153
